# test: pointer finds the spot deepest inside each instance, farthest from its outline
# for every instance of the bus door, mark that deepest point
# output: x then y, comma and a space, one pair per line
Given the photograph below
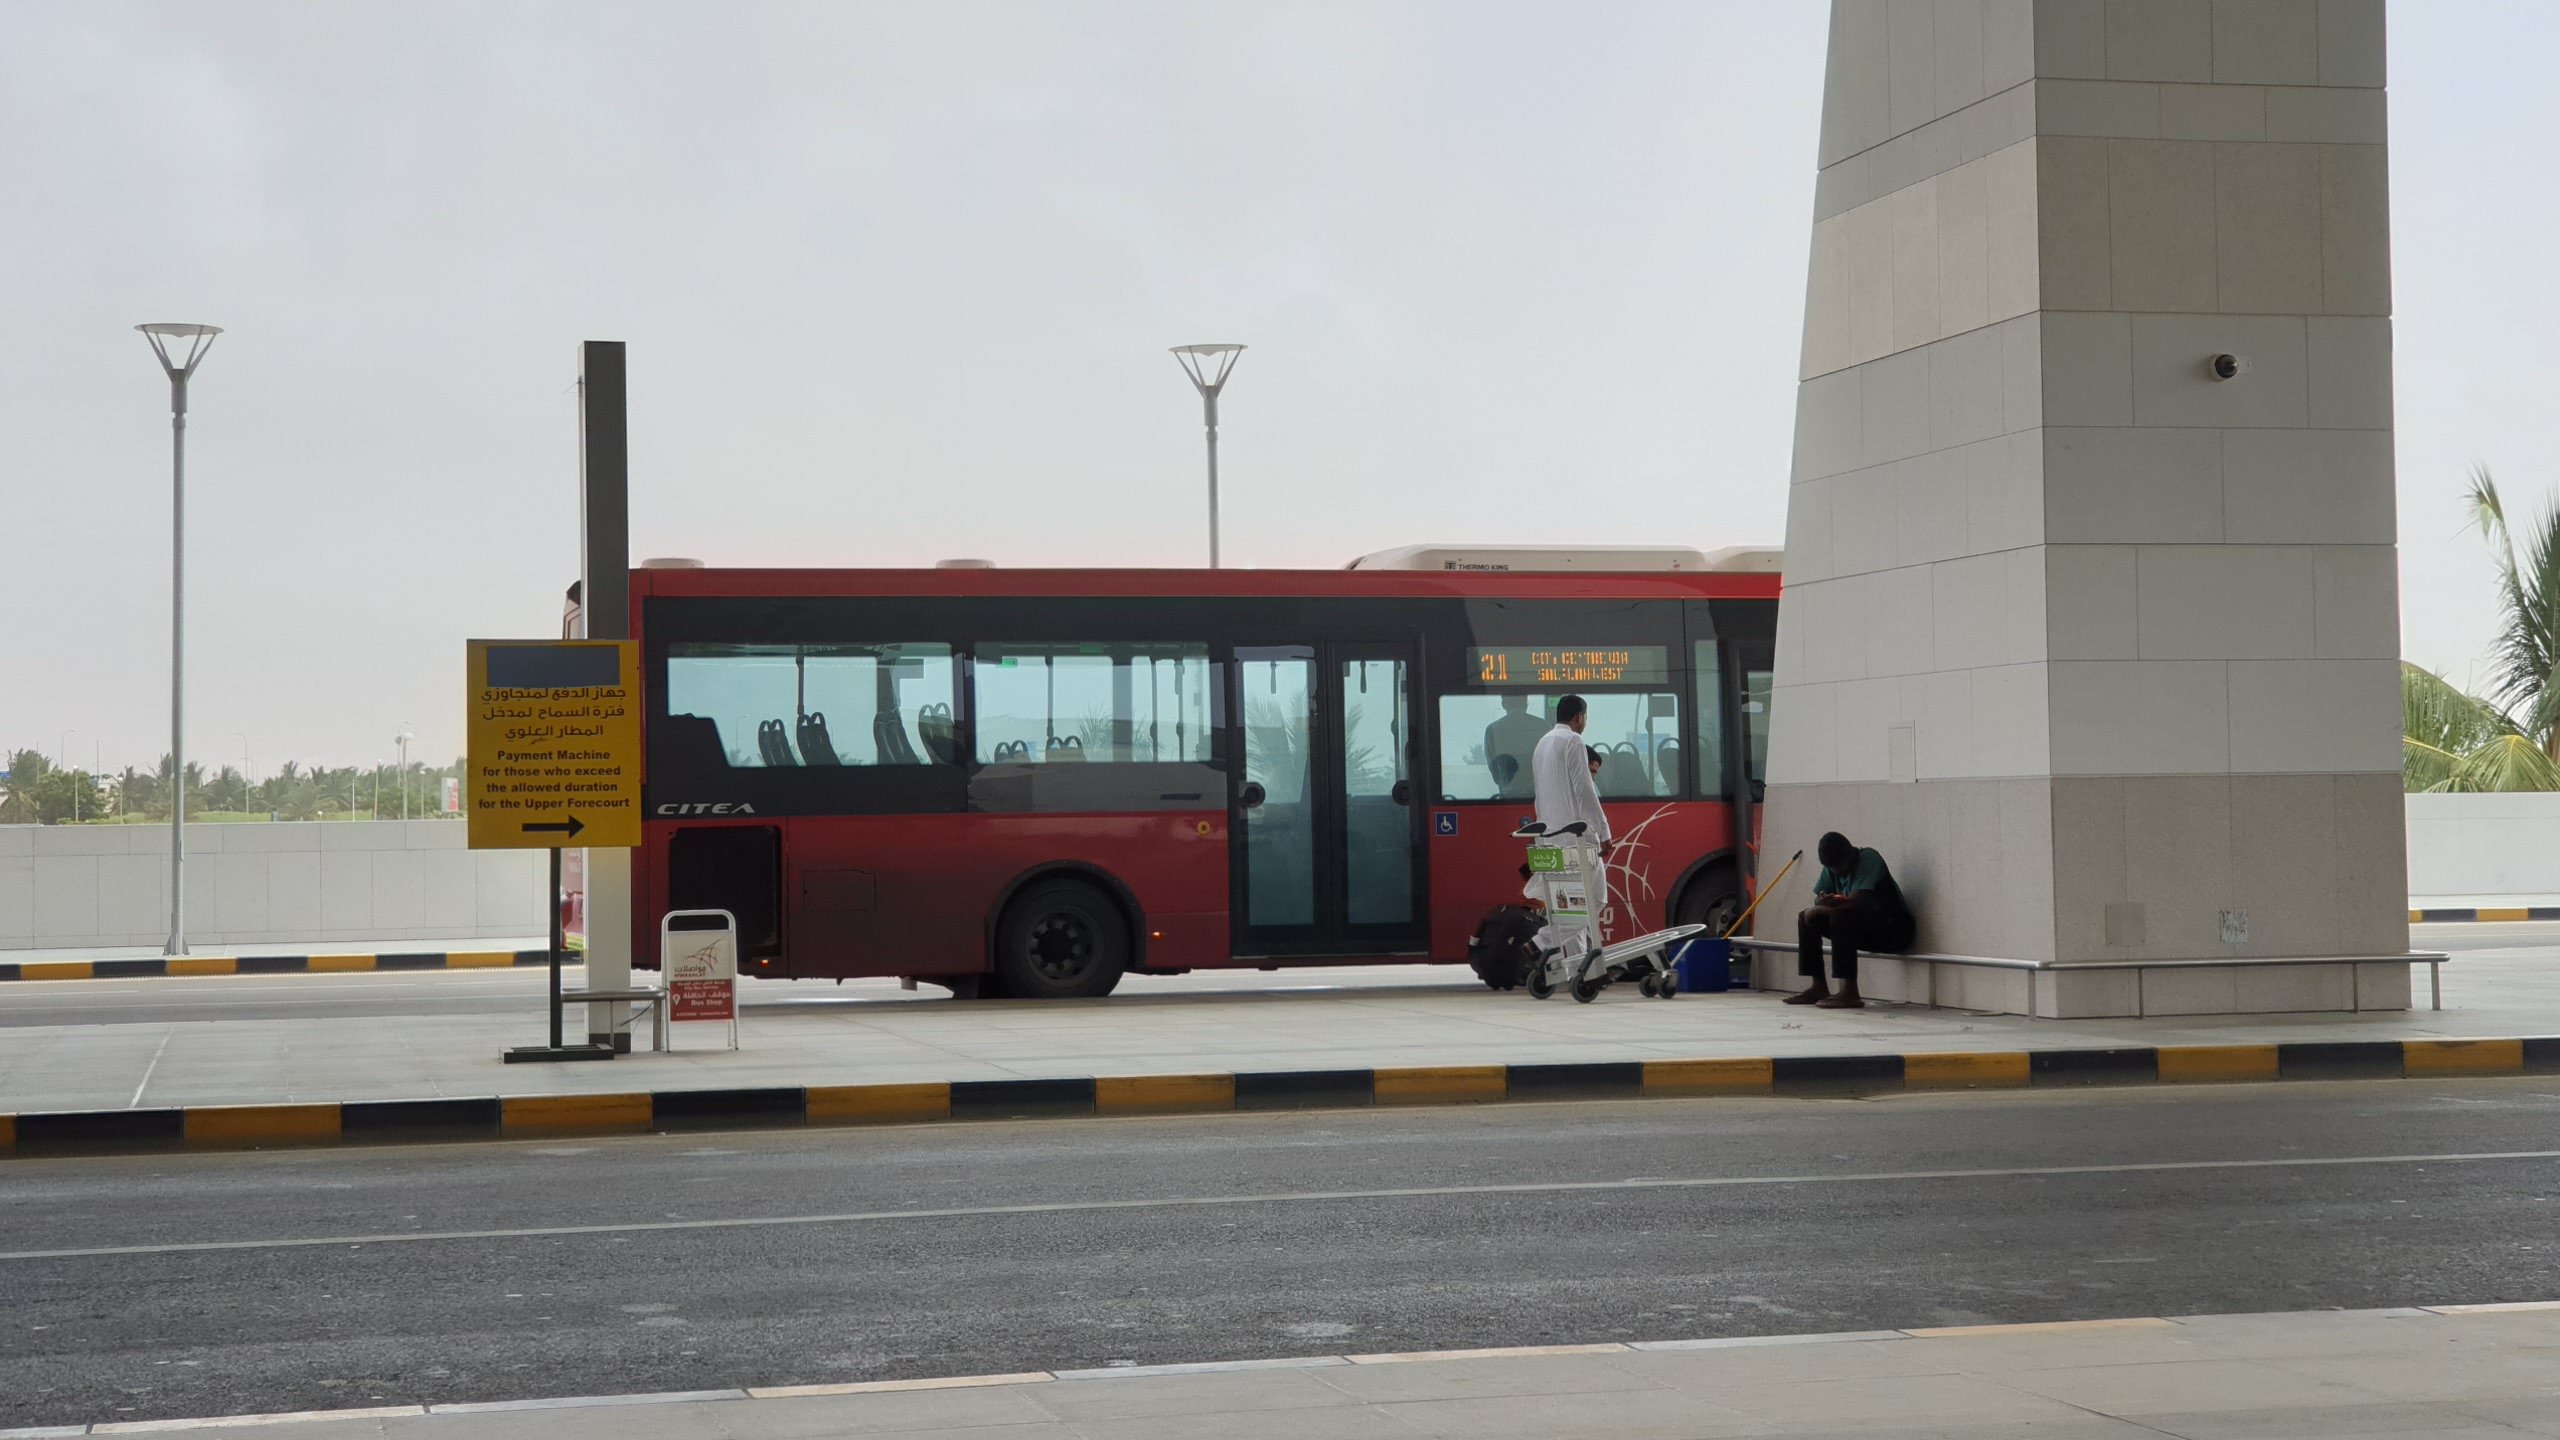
1327, 856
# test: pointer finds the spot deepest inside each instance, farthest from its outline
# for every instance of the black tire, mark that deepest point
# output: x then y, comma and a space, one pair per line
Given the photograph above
1586, 991
1713, 899
1540, 987
1667, 987
1644, 986
1061, 940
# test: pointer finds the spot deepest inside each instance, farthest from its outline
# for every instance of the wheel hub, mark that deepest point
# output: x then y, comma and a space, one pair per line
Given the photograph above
1061, 946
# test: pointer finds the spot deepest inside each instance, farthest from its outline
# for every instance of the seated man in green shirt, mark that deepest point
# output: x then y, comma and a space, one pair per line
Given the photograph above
1857, 905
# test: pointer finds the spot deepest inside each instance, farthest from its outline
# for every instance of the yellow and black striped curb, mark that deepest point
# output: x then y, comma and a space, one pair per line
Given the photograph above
638, 1111
159, 966
752, 1393
2485, 914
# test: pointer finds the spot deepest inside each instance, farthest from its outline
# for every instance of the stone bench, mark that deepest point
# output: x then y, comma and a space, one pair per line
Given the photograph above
1930, 961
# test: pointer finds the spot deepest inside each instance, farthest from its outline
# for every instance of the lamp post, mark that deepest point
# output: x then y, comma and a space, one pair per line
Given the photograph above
1207, 365
402, 740
248, 782
195, 340
62, 762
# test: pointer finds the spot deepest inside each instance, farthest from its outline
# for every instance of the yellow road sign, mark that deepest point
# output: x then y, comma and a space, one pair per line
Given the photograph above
554, 732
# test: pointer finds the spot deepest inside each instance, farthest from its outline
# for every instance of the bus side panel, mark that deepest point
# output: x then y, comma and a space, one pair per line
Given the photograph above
918, 894
1478, 868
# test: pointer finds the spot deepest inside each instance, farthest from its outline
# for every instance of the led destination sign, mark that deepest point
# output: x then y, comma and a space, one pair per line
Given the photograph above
1541, 665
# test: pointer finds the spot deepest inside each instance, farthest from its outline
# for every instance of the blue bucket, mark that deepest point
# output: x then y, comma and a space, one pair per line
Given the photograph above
1705, 965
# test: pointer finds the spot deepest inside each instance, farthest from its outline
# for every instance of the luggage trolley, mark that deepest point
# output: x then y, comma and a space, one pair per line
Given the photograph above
1570, 882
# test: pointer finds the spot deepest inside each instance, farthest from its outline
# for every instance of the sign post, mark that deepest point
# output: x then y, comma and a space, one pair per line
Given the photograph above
554, 761
698, 953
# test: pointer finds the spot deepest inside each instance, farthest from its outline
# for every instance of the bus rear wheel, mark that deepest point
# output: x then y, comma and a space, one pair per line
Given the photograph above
1060, 940
1713, 899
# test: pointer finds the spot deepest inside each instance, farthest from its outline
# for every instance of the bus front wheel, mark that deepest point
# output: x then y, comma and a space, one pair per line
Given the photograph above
1060, 940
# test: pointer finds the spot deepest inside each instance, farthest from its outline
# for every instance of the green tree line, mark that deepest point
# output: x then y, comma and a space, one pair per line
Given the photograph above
39, 792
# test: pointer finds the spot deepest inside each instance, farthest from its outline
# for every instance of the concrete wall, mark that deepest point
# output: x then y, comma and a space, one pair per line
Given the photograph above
68, 886
2076, 634
2503, 847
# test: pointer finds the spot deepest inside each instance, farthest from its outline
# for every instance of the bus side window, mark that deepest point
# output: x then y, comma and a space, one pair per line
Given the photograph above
1488, 737
1485, 742
1102, 702
768, 705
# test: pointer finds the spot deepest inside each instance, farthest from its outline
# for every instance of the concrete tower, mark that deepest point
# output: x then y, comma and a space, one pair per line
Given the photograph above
2100, 648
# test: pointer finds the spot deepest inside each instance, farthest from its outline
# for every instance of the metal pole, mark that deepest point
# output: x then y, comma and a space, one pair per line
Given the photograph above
177, 664
1209, 403
556, 947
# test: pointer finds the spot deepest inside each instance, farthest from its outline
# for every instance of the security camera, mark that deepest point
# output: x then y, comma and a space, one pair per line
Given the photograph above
2225, 367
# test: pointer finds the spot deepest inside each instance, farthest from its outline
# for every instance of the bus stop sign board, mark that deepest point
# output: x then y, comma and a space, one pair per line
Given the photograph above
554, 745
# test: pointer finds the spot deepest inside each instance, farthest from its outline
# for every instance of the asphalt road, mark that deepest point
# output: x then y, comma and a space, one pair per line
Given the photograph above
205, 1284
499, 992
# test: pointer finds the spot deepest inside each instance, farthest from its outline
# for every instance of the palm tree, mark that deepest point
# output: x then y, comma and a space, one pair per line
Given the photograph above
136, 792
2527, 649
2457, 742
18, 802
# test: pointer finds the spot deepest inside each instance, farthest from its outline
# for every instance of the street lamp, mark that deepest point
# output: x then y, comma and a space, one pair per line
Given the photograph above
248, 782
1207, 365
62, 762
195, 340
402, 740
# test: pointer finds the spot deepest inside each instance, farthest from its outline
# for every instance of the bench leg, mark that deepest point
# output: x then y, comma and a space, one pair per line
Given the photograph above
2435, 985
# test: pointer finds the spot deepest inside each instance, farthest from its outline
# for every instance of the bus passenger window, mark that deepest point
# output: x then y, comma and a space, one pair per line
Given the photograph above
1114, 702
1486, 739
771, 704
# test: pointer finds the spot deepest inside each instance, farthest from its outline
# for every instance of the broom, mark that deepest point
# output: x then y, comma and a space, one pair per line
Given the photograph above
1763, 895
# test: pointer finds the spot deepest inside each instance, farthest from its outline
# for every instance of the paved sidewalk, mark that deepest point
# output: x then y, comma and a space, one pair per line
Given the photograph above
2451, 1373
869, 1033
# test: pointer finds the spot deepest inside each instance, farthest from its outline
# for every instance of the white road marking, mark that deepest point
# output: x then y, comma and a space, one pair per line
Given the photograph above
150, 1069
1305, 1197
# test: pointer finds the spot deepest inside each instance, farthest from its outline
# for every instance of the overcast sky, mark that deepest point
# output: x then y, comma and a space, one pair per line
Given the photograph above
898, 282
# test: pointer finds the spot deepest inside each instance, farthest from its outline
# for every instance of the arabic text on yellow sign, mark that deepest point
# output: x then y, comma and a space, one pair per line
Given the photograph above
554, 730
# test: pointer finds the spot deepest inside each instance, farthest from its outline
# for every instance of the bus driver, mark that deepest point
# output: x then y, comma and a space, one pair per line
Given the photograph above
1508, 742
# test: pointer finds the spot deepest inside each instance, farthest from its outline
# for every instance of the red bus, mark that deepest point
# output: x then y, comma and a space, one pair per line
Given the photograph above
1031, 782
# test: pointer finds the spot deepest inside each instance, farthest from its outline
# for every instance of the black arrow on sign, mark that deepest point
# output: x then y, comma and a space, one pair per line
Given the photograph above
569, 827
